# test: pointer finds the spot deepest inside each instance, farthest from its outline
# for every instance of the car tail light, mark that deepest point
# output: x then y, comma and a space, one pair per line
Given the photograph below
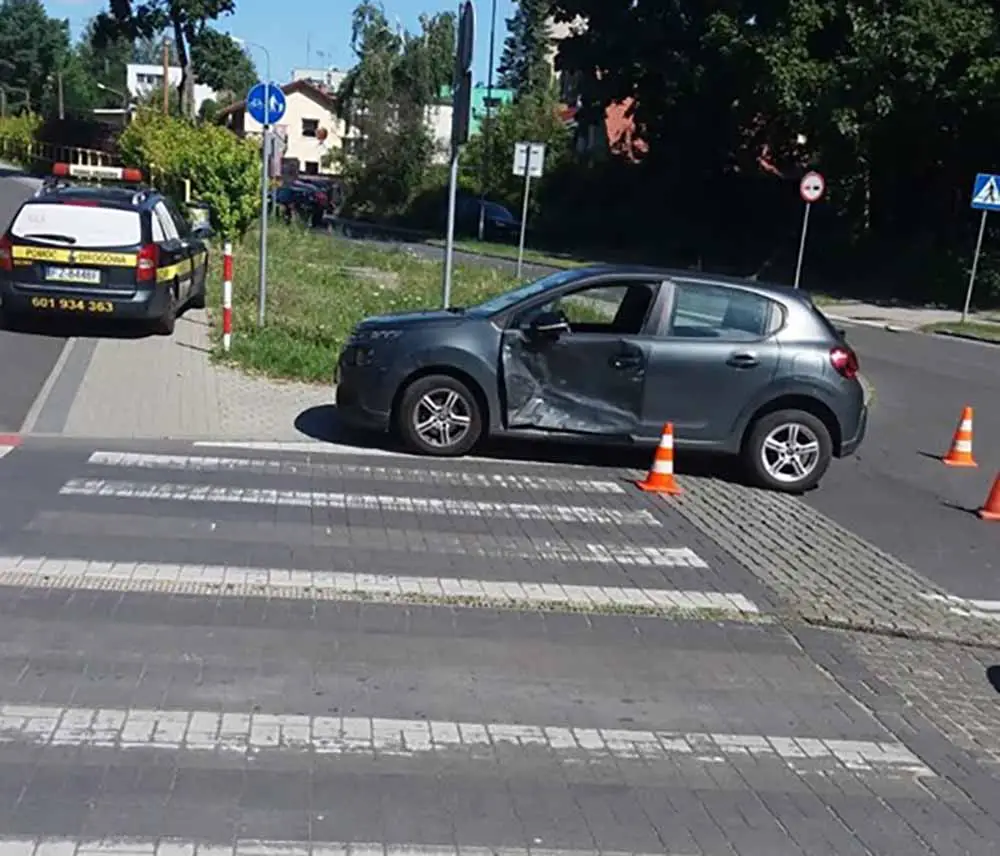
149, 258
845, 361
6, 254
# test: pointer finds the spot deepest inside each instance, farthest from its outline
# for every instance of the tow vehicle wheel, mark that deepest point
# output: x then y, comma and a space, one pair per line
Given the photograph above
439, 415
168, 320
788, 451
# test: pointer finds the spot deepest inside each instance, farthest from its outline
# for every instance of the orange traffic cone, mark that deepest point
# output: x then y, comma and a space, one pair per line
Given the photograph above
991, 508
960, 453
661, 474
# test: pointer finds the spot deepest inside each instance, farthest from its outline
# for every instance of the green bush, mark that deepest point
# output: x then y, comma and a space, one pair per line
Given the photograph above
17, 133
224, 170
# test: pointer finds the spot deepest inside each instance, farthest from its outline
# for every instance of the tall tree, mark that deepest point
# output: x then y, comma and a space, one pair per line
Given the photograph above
524, 64
221, 64
186, 19
33, 47
105, 66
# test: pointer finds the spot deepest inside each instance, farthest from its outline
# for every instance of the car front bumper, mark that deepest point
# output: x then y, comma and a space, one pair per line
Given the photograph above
363, 395
148, 302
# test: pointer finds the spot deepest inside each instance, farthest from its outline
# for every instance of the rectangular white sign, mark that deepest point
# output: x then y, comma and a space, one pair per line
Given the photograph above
536, 164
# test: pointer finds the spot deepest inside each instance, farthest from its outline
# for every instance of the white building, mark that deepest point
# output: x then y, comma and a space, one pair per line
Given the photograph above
142, 80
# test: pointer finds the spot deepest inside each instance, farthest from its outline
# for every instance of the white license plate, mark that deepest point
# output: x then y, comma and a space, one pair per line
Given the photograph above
84, 275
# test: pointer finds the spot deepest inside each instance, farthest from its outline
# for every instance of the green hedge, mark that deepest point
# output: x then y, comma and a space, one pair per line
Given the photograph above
224, 170
17, 133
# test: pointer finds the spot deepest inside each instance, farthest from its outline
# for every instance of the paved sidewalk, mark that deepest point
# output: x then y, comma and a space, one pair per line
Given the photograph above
900, 317
160, 387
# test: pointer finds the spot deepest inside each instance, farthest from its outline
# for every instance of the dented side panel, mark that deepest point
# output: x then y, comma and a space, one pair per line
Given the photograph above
581, 383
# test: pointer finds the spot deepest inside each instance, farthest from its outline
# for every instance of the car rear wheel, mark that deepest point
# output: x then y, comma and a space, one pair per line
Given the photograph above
788, 451
168, 320
439, 415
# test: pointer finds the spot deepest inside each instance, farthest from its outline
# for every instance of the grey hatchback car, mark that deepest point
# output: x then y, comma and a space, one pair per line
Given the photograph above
613, 353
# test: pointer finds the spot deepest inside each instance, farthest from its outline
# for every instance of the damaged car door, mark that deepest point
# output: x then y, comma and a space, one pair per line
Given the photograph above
577, 363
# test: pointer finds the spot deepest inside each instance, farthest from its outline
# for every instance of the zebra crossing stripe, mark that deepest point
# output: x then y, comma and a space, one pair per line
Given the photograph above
399, 475
172, 492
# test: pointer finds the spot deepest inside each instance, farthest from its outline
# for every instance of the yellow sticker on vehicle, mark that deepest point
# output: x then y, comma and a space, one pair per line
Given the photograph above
80, 257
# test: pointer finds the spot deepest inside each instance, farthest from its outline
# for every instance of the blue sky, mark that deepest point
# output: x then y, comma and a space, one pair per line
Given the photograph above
323, 25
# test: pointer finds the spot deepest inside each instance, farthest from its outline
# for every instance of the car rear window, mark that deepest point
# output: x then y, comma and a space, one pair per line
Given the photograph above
72, 226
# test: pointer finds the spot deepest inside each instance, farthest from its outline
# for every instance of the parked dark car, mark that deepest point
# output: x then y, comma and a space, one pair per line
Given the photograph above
498, 223
300, 200
614, 353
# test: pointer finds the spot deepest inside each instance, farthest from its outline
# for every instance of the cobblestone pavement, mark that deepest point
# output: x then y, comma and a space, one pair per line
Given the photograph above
174, 391
276, 653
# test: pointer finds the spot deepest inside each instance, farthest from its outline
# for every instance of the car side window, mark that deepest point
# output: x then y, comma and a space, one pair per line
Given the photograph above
718, 312
615, 308
166, 222
159, 236
180, 221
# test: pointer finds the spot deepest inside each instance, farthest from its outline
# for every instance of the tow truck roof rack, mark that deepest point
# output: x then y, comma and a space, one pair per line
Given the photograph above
126, 177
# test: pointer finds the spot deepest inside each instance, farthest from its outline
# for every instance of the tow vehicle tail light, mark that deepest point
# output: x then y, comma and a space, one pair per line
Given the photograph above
146, 264
845, 361
6, 254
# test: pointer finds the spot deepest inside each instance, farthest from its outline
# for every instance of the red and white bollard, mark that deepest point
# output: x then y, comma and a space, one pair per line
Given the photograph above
227, 296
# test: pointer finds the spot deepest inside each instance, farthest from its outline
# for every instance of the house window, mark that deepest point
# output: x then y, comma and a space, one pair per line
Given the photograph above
310, 127
311, 168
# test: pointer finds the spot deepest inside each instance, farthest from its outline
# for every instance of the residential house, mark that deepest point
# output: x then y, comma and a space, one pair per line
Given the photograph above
141, 81
310, 129
326, 78
439, 115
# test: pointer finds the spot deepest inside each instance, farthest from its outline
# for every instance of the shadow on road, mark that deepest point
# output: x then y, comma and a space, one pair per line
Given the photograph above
321, 423
993, 676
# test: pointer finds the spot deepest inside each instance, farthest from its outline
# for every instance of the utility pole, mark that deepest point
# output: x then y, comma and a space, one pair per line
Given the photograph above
488, 129
166, 76
3, 102
59, 84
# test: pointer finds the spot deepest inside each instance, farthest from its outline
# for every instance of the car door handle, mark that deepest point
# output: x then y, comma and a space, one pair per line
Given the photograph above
743, 360
625, 362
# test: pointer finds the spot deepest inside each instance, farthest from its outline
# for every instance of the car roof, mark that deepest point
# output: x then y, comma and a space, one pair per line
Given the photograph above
115, 196
785, 292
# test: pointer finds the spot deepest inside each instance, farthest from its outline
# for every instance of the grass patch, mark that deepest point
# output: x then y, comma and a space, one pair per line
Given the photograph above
977, 330
507, 251
318, 288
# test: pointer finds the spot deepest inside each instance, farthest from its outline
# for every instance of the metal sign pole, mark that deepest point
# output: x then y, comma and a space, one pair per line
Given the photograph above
449, 247
802, 245
975, 264
262, 281
524, 209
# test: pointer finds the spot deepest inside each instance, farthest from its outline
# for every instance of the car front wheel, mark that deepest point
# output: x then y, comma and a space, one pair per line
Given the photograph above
439, 415
788, 451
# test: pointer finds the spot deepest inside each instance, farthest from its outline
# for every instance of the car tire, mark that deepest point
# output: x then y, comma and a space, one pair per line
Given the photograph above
200, 298
762, 453
415, 408
168, 320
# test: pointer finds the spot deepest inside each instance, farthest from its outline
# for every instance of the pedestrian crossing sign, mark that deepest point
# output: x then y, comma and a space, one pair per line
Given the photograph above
986, 192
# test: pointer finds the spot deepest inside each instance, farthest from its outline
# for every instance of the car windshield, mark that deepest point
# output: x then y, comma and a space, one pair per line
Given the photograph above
529, 289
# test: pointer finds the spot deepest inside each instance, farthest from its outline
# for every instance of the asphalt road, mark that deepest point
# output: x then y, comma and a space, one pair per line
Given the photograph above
27, 359
175, 662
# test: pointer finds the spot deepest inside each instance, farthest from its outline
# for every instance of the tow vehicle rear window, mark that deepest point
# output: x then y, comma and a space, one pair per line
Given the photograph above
72, 226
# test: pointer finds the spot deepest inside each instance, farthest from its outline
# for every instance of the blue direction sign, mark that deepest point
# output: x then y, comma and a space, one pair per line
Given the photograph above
986, 192
266, 103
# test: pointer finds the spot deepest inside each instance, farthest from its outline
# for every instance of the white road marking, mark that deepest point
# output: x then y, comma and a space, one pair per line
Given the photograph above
6, 450
275, 466
41, 571
247, 733
967, 607
257, 847
357, 501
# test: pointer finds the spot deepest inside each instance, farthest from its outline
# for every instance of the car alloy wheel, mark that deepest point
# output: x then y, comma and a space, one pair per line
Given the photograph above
790, 453
442, 418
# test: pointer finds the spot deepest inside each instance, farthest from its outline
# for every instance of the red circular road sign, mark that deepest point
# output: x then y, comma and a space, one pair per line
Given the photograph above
811, 187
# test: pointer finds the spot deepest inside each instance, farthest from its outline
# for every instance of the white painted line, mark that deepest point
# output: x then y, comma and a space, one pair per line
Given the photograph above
247, 733
257, 847
276, 466
967, 607
6, 450
41, 571
317, 447
357, 501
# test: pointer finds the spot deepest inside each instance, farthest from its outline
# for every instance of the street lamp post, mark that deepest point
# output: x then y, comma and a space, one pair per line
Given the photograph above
264, 178
484, 171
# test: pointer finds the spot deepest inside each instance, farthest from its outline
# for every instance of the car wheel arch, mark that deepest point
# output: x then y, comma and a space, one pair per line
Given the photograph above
798, 401
475, 387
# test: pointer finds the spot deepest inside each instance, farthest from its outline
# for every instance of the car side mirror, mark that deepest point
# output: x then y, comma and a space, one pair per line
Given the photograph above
549, 325
203, 231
